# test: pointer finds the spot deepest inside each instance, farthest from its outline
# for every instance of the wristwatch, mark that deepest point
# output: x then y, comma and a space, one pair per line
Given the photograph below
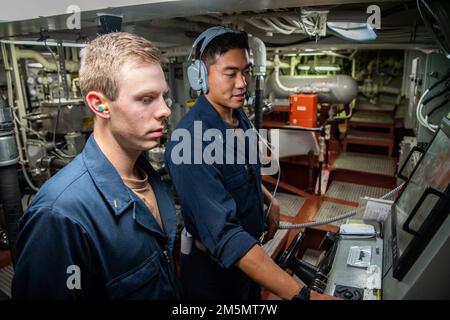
303, 294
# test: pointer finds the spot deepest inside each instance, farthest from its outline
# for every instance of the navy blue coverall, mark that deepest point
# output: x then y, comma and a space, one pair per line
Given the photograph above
222, 207
85, 222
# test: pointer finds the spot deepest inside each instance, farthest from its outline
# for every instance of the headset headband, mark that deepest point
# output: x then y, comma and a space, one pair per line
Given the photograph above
207, 36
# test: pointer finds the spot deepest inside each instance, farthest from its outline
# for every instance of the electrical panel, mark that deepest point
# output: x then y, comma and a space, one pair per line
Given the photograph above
436, 68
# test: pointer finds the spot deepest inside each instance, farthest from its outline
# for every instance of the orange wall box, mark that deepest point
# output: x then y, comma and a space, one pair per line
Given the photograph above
303, 109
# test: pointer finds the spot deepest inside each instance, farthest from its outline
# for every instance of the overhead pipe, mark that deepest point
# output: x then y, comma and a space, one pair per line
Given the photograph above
277, 28
288, 90
259, 52
313, 88
46, 43
71, 66
258, 25
330, 89
282, 25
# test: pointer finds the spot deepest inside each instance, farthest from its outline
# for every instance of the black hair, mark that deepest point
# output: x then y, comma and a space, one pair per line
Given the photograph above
221, 45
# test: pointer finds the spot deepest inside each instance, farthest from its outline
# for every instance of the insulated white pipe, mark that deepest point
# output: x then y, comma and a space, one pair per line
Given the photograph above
331, 89
281, 25
259, 55
280, 30
258, 25
287, 90
50, 65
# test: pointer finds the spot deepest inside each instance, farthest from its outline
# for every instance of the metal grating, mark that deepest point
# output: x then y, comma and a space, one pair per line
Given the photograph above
273, 244
378, 118
352, 192
367, 163
330, 209
290, 204
6, 276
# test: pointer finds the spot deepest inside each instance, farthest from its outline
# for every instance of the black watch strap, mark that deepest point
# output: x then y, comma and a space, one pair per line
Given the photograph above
303, 294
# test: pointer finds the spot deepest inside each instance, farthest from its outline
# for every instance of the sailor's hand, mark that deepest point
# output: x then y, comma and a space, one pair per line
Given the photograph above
314, 295
273, 220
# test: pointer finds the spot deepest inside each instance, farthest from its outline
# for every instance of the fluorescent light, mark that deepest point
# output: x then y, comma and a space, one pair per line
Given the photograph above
327, 68
358, 31
35, 65
310, 54
318, 68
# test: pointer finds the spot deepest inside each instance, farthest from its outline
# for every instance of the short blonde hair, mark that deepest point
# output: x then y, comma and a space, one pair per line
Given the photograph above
103, 57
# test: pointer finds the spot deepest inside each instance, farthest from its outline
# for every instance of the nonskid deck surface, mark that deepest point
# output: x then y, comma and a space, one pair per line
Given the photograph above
365, 163
290, 204
352, 192
331, 209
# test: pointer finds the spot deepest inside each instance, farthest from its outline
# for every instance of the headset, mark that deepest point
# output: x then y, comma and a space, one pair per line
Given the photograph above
197, 71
